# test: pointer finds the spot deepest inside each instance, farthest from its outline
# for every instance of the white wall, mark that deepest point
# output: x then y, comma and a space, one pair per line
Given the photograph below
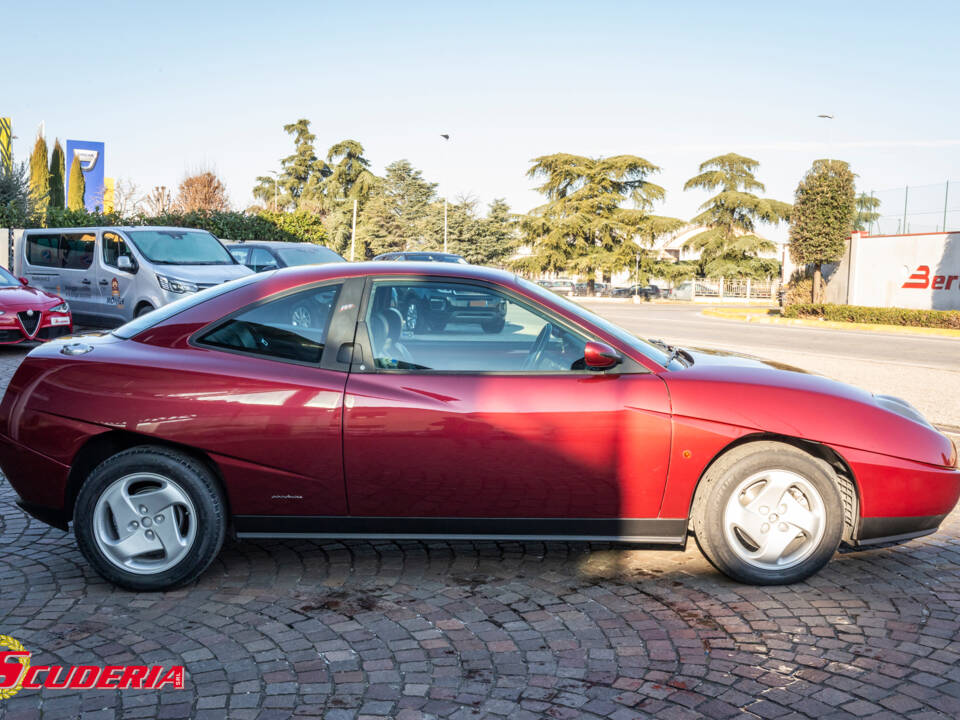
882, 264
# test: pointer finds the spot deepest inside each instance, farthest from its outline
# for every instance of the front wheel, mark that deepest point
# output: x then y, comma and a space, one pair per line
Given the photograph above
767, 513
150, 518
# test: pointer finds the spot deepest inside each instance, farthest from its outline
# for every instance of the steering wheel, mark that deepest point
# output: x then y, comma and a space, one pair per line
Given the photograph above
539, 348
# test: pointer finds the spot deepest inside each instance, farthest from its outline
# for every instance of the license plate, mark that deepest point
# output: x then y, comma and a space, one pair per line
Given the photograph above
60, 320
478, 303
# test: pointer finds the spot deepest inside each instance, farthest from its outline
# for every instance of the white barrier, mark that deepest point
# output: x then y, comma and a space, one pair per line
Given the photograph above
910, 271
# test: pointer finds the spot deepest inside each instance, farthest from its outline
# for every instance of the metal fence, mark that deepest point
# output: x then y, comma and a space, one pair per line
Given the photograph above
730, 289
915, 209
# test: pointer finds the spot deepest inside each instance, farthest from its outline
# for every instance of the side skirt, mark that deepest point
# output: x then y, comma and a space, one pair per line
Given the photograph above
653, 531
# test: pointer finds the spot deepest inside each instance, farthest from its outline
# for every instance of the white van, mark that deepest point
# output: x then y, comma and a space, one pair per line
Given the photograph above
114, 274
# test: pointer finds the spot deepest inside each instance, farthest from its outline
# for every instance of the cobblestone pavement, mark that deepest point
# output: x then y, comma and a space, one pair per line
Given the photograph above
466, 630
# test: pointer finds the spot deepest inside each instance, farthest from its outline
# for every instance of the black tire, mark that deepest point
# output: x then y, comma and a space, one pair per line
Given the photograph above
196, 481
736, 467
493, 326
143, 309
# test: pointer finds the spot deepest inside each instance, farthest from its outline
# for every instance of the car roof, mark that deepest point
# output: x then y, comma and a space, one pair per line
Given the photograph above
309, 273
271, 244
97, 228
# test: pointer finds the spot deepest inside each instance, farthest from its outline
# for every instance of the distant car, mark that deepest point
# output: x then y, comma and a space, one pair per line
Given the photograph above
422, 257
426, 309
262, 255
561, 287
27, 313
645, 291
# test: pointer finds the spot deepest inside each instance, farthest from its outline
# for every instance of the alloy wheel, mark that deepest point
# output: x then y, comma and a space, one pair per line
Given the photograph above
144, 523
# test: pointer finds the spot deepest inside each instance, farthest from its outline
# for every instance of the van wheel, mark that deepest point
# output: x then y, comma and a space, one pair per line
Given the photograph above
143, 309
767, 513
150, 518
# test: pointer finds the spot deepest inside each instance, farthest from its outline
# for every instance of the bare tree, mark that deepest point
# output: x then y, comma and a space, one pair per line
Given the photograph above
126, 200
202, 191
158, 201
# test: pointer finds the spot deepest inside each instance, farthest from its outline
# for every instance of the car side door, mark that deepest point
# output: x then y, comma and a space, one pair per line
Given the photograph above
506, 431
115, 284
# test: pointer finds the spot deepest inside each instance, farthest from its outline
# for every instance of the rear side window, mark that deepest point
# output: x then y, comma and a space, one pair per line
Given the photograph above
69, 251
44, 250
293, 327
76, 250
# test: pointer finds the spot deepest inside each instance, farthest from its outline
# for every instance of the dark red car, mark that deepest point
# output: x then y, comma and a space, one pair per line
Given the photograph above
298, 404
27, 313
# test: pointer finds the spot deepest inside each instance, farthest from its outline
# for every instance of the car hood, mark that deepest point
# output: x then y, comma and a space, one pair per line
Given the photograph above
204, 274
770, 397
22, 297
704, 357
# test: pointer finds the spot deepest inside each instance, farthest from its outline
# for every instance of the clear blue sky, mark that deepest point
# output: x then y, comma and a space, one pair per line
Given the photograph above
175, 86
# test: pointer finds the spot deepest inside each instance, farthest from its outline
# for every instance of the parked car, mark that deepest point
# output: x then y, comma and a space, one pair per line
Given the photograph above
561, 287
219, 413
27, 313
648, 292
113, 274
262, 255
421, 256
426, 309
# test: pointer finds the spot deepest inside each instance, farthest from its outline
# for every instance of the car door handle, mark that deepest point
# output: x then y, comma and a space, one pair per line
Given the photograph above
348, 353
104, 282
85, 281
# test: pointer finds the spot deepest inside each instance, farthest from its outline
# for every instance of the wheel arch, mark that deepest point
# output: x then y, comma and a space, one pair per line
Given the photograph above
846, 481
105, 445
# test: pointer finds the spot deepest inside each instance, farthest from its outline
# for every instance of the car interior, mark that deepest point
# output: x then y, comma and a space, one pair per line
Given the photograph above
528, 341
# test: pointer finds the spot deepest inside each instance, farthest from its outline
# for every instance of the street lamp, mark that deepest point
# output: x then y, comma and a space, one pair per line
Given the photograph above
825, 116
446, 138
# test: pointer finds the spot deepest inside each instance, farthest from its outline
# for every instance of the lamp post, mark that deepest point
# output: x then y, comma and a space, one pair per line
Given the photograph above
446, 138
825, 116
636, 277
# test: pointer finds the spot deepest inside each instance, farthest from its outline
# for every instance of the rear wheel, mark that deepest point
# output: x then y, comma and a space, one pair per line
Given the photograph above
143, 309
150, 518
768, 513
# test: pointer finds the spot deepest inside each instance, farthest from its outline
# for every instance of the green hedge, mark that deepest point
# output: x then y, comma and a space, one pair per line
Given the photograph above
876, 315
297, 226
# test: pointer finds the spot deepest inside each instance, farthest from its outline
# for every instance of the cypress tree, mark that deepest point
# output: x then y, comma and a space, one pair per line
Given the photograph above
77, 186
58, 173
40, 176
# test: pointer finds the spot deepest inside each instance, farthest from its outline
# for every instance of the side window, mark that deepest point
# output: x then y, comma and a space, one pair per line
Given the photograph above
76, 250
261, 259
290, 328
113, 247
43, 250
457, 327
239, 254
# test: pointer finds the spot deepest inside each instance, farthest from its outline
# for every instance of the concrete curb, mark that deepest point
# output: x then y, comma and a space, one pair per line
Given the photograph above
742, 315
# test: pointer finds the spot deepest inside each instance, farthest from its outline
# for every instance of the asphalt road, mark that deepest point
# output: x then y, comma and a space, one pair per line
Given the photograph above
923, 370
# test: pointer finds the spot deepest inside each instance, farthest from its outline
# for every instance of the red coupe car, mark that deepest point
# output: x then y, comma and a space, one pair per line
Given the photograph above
27, 313
298, 404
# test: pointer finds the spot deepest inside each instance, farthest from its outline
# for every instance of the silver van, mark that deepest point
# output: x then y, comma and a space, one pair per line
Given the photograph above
113, 274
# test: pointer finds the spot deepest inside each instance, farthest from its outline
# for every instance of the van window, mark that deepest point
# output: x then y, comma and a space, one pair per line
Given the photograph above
113, 247
43, 250
76, 250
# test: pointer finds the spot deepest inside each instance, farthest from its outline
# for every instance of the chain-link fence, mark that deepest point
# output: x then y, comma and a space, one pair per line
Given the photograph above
912, 209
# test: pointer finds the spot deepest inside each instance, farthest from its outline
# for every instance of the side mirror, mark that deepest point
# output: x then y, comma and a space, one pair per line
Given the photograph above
23, 281
599, 356
124, 263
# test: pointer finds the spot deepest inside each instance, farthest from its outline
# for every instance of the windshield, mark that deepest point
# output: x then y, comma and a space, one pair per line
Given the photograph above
180, 247
642, 346
308, 255
8, 280
144, 322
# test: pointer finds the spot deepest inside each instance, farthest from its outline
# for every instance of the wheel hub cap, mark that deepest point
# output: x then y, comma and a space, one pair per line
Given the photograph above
774, 519
144, 523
